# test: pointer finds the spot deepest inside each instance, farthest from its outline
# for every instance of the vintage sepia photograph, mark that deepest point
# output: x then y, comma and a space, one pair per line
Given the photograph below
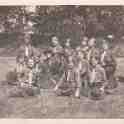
62, 62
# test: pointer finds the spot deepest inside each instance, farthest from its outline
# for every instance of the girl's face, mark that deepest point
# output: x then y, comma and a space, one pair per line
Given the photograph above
105, 46
37, 58
55, 41
91, 42
84, 43
43, 57
21, 60
67, 44
80, 55
70, 58
48, 55
94, 61
30, 63
27, 39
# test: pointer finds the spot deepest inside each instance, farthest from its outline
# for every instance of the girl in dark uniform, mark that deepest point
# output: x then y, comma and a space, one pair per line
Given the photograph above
108, 62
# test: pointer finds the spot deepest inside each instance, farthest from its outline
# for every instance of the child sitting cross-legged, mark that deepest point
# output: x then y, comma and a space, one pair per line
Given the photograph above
29, 73
26, 82
66, 84
97, 79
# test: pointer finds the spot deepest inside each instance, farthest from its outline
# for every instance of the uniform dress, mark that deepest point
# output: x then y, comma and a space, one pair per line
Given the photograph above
68, 51
28, 76
67, 82
26, 81
109, 64
20, 66
24, 52
84, 77
38, 70
81, 75
27, 51
56, 62
20, 70
97, 80
84, 49
92, 52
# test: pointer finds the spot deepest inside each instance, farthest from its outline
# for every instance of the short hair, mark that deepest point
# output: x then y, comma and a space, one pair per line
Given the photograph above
96, 58
55, 38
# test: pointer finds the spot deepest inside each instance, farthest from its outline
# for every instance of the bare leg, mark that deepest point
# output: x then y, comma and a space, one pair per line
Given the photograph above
78, 83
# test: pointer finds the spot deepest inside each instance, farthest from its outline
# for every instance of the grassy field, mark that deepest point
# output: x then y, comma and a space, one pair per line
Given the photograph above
48, 105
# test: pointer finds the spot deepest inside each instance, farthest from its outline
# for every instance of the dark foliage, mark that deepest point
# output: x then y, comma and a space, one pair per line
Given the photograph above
64, 21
